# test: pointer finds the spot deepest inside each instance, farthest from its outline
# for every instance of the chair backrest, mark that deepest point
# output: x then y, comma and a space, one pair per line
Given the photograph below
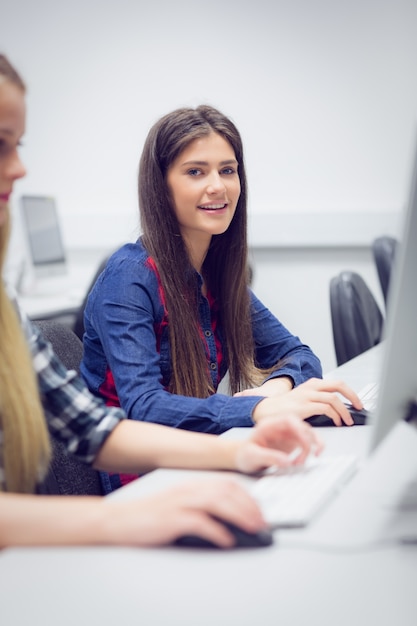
383, 250
67, 346
66, 475
78, 326
356, 317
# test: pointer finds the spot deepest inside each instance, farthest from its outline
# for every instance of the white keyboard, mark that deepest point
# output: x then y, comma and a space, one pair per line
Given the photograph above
291, 497
368, 395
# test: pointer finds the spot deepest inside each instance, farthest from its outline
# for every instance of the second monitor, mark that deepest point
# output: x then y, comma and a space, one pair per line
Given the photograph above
46, 251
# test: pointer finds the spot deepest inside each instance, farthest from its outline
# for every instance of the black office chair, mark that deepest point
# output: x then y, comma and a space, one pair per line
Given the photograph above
383, 250
356, 317
66, 475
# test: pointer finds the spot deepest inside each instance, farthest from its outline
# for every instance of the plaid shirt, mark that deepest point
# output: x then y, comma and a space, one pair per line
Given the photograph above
76, 417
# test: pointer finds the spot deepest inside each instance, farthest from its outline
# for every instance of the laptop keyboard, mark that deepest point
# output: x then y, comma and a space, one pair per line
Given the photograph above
290, 497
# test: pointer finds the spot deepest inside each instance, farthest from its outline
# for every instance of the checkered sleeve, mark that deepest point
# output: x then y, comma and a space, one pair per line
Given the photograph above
76, 417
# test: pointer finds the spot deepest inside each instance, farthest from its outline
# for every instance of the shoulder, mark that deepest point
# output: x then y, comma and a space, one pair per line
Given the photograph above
130, 262
255, 303
129, 253
128, 270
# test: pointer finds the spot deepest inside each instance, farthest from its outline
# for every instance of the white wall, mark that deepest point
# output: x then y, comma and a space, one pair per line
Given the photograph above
323, 92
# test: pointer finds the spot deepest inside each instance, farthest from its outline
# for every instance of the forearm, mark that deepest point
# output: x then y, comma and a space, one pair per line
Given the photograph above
51, 520
214, 414
299, 365
139, 446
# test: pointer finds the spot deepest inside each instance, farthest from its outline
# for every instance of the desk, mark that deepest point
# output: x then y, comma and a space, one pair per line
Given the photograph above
361, 370
56, 295
322, 575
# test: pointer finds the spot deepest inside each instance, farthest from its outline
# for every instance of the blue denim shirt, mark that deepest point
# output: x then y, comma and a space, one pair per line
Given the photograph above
126, 342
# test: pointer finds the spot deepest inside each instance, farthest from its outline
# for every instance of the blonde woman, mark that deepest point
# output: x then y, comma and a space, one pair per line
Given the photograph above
37, 393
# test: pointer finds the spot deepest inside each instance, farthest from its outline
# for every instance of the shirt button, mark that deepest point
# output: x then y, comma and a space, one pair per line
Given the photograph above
207, 333
213, 366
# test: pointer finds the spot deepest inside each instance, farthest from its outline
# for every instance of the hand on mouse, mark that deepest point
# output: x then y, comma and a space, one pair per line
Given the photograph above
187, 509
314, 397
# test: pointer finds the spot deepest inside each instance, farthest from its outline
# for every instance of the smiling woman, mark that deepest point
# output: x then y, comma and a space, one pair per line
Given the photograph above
173, 313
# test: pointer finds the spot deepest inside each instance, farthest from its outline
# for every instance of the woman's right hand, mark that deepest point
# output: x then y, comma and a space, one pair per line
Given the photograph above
187, 509
314, 397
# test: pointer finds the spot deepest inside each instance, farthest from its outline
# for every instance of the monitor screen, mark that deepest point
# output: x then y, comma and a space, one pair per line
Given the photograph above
398, 379
41, 223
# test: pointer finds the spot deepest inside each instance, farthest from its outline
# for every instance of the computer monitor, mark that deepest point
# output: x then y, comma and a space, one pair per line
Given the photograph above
43, 233
398, 378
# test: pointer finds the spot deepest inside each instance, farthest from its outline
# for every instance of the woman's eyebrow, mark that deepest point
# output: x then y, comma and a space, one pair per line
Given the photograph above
196, 162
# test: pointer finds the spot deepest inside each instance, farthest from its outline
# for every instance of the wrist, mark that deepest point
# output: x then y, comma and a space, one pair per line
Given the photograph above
278, 385
229, 451
259, 411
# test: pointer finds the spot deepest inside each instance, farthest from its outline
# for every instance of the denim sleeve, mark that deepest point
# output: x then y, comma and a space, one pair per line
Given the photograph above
121, 314
273, 342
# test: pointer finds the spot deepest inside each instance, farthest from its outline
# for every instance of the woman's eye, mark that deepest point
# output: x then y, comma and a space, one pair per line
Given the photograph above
228, 170
6, 147
194, 171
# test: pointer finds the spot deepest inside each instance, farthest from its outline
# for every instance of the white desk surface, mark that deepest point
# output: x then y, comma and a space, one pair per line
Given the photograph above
347, 568
361, 370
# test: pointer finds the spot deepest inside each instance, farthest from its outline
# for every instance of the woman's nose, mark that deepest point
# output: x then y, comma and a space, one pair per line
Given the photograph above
15, 168
215, 184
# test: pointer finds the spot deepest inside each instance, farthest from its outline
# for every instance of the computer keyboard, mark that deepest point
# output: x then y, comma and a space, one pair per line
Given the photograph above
290, 497
368, 394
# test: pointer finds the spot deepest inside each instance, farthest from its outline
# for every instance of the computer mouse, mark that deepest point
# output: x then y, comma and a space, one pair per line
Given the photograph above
359, 417
243, 539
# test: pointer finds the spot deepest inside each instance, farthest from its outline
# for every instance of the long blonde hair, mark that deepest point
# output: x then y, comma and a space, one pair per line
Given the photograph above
26, 445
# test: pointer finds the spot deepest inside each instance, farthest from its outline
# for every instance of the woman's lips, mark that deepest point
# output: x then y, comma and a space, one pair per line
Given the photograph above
213, 207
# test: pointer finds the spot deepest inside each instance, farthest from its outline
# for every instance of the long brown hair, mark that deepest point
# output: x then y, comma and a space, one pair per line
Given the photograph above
225, 268
25, 446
